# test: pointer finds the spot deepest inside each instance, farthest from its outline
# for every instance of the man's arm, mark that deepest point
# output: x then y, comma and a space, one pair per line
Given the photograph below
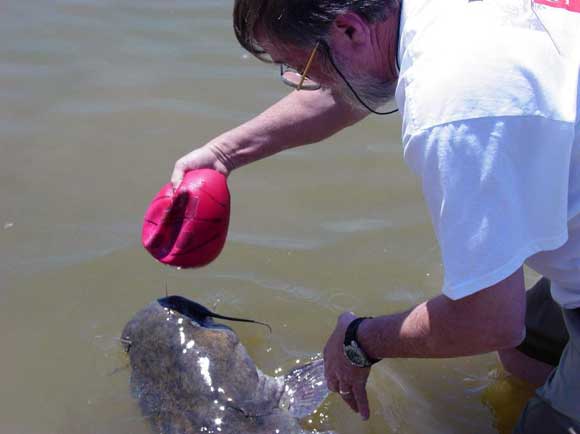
491, 319
301, 118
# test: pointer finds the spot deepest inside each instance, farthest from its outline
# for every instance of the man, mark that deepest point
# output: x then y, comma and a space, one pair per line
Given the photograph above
488, 93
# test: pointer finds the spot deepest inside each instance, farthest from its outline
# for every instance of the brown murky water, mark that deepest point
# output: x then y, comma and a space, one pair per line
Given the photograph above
99, 98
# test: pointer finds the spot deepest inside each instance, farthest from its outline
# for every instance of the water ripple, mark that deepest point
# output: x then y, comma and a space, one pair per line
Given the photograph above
357, 225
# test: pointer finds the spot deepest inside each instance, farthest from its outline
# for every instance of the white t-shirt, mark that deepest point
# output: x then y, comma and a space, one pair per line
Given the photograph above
489, 96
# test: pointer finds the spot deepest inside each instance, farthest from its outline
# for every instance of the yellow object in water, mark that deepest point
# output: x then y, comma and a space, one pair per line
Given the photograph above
506, 397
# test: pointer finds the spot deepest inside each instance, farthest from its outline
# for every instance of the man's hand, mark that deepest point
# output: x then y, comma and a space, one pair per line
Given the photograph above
206, 157
341, 375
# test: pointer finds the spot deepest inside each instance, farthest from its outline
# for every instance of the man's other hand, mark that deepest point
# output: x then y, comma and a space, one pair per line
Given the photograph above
341, 376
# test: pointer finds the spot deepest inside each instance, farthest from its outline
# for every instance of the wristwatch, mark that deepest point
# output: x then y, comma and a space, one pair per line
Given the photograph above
352, 349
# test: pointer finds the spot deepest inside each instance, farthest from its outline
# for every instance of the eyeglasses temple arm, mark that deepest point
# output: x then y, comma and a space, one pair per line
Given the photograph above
308, 65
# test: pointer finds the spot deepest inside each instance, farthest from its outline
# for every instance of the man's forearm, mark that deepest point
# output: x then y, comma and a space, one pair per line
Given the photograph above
488, 320
301, 118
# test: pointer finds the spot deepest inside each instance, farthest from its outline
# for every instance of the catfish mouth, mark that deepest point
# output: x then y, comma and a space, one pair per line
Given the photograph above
198, 314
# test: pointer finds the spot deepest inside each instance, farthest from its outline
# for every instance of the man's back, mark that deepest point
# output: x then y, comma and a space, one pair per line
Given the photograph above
489, 99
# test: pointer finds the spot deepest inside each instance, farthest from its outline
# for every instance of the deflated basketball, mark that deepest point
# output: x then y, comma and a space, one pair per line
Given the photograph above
188, 228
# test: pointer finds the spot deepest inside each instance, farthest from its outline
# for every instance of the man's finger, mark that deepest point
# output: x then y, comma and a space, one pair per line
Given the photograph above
348, 396
332, 384
362, 402
331, 381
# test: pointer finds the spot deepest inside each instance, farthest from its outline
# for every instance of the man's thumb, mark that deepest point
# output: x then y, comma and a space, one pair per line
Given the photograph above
177, 176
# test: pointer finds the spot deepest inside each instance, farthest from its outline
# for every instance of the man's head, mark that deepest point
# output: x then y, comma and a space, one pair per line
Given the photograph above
359, 36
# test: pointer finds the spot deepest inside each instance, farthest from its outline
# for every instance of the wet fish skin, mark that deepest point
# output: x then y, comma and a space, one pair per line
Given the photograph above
193, 375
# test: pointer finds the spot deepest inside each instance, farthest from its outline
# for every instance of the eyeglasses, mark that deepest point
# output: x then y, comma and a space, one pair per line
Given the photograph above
301, 81
297, 80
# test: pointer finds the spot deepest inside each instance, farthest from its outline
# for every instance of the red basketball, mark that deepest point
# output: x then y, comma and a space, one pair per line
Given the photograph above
188, 228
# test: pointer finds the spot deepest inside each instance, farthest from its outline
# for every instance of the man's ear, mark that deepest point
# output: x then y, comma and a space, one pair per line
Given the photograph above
349, 30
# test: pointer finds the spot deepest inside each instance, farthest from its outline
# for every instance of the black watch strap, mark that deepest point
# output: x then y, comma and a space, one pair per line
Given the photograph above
350, 335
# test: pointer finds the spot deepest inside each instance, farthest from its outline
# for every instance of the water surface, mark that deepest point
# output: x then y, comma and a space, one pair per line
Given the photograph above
99, 98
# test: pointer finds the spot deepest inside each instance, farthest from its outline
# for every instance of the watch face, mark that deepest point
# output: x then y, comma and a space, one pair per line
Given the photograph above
355, 355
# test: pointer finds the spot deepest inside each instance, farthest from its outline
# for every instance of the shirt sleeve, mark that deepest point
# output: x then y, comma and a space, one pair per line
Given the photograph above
497, 190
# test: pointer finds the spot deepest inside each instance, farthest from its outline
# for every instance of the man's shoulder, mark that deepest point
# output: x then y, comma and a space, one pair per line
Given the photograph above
460, 70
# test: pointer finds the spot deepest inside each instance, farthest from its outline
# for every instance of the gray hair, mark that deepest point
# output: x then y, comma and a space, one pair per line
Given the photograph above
299, 22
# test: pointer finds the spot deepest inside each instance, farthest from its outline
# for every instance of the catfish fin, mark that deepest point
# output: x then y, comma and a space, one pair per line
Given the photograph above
304, 389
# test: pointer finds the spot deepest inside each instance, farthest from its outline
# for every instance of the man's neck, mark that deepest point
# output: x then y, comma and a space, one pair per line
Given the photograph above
385, 40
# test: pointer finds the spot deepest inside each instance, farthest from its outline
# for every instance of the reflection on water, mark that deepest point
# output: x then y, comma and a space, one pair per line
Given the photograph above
99, 98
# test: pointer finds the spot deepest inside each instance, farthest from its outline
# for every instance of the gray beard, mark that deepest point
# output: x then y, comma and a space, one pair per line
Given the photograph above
374, 92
